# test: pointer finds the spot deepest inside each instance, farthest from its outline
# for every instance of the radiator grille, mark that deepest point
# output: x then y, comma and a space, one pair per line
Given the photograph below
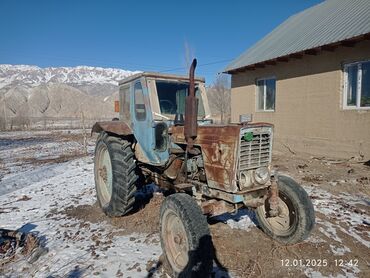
257, 152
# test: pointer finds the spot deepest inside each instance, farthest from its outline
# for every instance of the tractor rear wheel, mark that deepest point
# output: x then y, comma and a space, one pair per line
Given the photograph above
185, 237
296, 217
115, 177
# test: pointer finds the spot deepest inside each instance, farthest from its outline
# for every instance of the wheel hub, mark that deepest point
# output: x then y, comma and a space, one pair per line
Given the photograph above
282, 220
103, 173
285, 218
175, 241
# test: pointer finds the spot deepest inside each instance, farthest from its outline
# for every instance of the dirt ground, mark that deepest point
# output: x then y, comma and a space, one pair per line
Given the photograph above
338, 247
253, 254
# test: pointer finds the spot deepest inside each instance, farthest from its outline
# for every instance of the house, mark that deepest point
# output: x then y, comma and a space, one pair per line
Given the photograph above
310, 77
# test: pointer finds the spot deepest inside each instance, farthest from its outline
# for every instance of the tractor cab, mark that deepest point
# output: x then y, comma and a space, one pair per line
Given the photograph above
150, 103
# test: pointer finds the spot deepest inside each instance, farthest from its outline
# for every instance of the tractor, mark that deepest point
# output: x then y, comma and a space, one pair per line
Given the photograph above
165, 135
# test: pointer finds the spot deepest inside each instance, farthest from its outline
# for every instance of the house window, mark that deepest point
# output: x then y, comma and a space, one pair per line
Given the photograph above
357, 85
266, 90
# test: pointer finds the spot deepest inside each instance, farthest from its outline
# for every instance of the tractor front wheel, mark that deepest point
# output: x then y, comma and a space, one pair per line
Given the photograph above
185, 237
296, 216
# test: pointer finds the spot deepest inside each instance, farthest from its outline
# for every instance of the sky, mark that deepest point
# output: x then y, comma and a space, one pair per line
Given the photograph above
159, 35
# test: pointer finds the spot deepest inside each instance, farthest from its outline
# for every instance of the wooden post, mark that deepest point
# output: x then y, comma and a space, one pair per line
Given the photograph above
84, 132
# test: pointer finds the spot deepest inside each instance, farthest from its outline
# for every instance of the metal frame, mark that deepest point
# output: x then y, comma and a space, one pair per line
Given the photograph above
159, 75
264, 94
251, 128
359, 84
156, 111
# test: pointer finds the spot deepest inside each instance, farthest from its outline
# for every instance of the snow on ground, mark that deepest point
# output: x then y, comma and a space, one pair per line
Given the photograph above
43, 174
342, 224
71, 244
36, 186
348, 214
244, 219
329, 205
27, 157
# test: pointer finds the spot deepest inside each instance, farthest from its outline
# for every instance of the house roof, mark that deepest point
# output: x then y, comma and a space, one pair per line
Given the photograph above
329, 22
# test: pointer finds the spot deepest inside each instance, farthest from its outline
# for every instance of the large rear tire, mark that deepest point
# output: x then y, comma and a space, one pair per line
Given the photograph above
185, 237
115, 177
296, 217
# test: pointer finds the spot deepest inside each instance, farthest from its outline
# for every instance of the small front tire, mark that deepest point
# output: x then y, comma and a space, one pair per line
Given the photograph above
185, 237
296, 217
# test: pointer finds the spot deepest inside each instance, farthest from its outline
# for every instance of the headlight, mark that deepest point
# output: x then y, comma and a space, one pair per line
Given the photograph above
246, 179
262, 175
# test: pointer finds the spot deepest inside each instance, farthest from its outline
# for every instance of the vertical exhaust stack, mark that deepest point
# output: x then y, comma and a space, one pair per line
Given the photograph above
191, 111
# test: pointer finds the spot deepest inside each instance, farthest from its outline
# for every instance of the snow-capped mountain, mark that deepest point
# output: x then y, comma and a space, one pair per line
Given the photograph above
31, 91
32, 76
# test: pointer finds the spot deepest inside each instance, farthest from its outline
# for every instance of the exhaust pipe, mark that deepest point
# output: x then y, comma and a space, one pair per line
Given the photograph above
191, 111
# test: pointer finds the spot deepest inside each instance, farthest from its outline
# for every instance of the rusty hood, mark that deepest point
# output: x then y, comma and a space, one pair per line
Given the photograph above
219, 145
220, 149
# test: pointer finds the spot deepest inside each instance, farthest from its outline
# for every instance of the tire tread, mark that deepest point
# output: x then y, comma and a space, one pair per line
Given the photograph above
124, 175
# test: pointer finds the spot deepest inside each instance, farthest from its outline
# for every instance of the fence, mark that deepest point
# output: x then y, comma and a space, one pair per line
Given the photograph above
44, 123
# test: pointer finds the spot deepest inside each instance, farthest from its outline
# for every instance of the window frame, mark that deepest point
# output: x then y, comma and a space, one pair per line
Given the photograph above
199, 93
141, 119
264, 94
358, 88
124, 91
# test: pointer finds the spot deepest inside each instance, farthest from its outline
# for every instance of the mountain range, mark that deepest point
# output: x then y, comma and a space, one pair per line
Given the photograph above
31, 91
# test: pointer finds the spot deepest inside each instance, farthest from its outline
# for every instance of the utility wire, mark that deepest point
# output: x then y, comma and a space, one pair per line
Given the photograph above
200, 65
113, 64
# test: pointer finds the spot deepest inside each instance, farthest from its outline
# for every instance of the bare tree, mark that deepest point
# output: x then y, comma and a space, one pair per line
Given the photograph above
3, 117
220, 98
22, 119
42, 102
2, 123
84, 132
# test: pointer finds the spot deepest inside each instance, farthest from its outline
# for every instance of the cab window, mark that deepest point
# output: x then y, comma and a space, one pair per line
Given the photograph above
171, 96
124, 95
140, 111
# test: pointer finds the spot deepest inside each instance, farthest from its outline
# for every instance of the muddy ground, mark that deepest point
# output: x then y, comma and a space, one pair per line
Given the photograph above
338, 247
253, 254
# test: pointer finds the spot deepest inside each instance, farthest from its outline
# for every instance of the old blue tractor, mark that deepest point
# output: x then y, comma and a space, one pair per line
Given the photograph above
165, 135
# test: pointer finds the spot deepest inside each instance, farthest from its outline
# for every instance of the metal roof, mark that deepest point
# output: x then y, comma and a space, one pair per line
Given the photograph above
159, 76
323, 24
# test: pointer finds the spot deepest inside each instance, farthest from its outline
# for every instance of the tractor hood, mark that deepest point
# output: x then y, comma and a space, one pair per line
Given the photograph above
220, 146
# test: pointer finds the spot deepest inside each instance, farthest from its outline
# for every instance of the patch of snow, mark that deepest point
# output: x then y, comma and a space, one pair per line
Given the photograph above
70, 241
19, 179
19, 157
341, 209
352, 232
315, 239
329, 230
309, 272
339, 250
244, 219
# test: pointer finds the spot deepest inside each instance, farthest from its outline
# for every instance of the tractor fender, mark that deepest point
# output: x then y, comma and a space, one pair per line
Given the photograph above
115, 127
121, 129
